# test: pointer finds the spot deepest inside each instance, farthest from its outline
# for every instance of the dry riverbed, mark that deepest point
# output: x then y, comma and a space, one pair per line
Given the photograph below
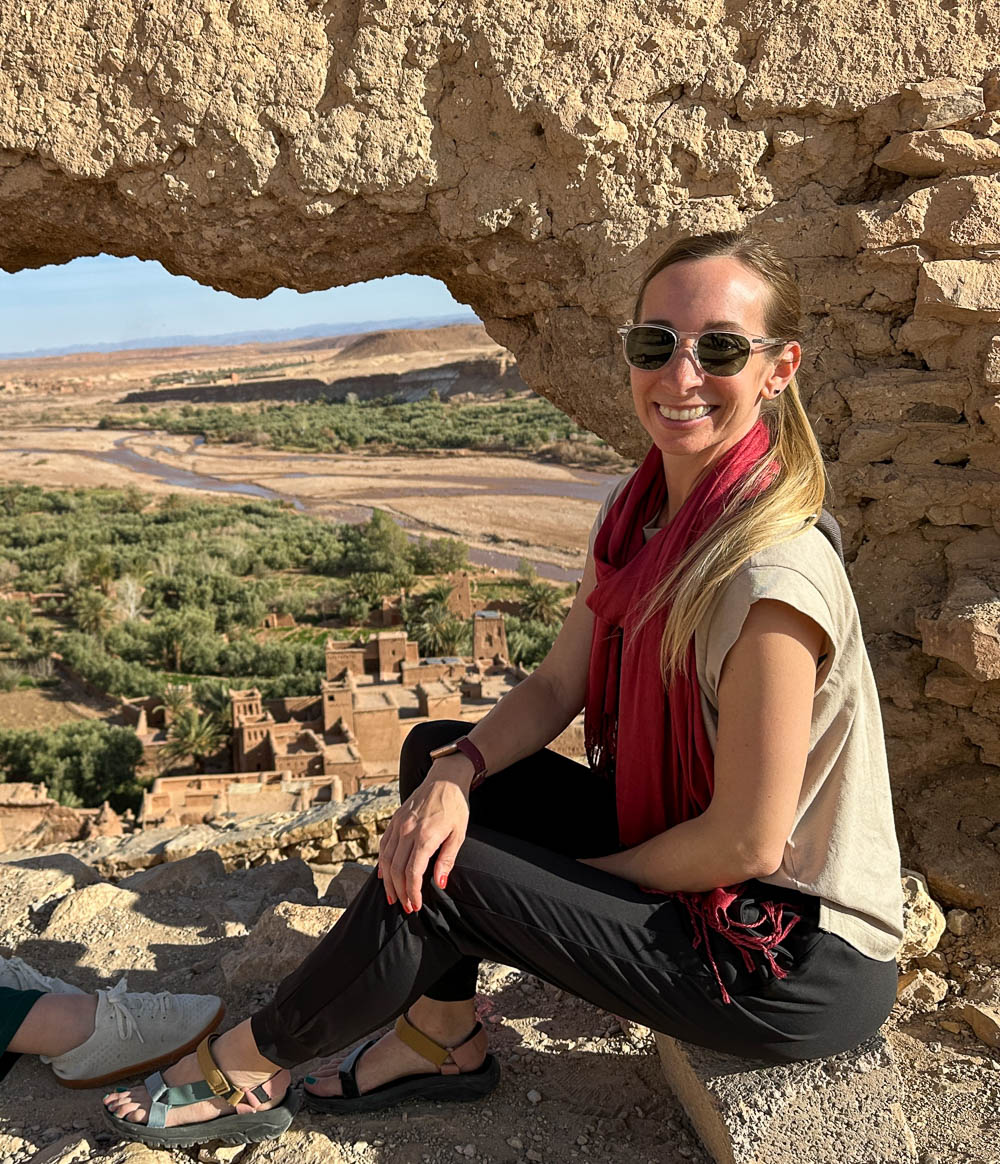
500, 505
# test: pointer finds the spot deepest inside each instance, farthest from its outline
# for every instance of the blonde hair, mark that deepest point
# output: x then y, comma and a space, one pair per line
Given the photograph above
762, 513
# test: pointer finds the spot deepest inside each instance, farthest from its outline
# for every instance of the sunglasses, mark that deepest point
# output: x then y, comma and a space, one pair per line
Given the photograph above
649, 346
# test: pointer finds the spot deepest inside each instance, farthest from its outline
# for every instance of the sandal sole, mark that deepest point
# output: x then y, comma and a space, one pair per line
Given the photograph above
463, 1088
170, 1056
239, 1129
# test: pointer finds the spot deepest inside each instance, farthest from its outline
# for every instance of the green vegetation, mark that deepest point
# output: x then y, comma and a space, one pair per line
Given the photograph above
82, 763
513, 426
209, 375
168, 599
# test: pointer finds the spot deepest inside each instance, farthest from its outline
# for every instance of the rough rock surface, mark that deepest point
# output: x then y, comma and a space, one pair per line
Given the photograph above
844, 1108
535, 157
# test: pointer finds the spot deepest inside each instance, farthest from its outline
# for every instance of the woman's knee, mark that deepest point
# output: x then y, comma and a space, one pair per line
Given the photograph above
422, 739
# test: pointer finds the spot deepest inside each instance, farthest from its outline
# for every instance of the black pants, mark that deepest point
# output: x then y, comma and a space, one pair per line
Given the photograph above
518, 896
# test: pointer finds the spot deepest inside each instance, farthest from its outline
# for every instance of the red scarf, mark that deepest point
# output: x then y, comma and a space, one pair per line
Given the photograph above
653, 741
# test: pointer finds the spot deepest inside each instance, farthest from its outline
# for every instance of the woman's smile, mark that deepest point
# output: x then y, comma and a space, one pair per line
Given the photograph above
686, 417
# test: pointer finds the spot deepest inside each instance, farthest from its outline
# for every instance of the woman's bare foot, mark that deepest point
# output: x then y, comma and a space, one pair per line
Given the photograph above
447, 1023
232, 1051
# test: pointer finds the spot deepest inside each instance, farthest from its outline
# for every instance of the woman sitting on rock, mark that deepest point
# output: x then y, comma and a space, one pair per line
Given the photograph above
725, 868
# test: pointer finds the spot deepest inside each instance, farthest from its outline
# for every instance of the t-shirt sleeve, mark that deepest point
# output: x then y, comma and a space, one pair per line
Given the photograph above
750, 585
603, 511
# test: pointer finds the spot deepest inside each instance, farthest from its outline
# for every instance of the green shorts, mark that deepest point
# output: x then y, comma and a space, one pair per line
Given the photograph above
14, 1007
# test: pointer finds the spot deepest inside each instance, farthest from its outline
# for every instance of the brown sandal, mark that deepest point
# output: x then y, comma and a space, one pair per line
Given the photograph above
457, 1080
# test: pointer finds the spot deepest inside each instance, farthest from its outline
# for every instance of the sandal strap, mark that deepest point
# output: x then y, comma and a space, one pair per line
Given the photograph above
215, 1084
347, 1071
163, 1098
220, 1083
465, 1057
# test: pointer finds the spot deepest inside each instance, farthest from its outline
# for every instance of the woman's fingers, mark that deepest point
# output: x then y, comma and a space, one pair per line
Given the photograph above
446, 858
386, 850
434, 818
397, 870
416, 867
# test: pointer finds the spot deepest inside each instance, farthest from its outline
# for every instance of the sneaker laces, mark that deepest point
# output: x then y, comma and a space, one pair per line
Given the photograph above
125, 1007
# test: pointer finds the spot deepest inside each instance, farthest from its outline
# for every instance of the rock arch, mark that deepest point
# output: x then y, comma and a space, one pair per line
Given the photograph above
535, 157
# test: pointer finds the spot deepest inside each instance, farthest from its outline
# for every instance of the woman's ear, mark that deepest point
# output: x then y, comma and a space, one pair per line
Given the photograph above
782, 370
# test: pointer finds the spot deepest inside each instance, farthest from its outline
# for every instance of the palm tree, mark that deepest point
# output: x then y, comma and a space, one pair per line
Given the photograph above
194, 734
438, 631
437, 595
543, 603
94, 612
176, 697
99, 570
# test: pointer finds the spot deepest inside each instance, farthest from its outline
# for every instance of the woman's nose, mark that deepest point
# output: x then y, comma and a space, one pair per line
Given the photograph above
682, 370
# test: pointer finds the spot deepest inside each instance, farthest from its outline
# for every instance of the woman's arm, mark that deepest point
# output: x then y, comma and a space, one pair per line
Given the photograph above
766, 692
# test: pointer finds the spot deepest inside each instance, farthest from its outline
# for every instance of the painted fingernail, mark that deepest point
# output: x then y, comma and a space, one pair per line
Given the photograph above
406, 907
310, 1079
442, 881
390, 899
380, 872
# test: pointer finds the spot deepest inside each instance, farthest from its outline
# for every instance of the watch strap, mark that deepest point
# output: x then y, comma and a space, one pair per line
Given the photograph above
479, 772
464, 745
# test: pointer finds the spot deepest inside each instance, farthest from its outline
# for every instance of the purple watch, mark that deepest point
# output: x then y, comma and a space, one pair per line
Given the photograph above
464, 745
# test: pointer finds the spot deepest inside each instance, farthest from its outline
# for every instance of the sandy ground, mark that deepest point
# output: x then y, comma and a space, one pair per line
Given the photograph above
35, 709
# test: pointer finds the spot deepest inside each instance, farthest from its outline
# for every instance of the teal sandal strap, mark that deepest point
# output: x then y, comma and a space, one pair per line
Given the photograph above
163, 1098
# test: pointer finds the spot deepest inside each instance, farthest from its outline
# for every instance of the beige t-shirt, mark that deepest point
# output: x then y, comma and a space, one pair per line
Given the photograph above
843, 846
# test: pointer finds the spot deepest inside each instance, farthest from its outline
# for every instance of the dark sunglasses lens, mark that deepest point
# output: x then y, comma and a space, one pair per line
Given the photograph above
723, 354
649, 347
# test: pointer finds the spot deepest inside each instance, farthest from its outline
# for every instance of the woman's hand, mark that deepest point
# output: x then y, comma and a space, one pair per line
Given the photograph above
433, 820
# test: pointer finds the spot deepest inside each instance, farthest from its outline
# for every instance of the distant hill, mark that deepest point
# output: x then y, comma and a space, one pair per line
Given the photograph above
309, 331
397, 342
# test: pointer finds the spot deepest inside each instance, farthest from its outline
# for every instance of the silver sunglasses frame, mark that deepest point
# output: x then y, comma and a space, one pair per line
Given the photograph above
765, 342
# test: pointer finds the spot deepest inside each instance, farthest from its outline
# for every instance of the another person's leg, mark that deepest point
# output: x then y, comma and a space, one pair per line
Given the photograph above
94, 1039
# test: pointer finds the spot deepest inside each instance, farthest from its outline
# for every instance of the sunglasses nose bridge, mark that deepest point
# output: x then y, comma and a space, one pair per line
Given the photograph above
684, 355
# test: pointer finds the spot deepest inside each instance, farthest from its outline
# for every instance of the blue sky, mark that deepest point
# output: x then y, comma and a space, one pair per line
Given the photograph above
104, 299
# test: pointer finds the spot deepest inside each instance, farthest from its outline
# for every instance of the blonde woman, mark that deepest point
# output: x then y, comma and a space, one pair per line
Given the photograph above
725, 868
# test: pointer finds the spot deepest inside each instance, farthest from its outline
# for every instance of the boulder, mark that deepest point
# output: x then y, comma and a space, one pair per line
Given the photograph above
965, 290
923, 919
985, 1021
937, 151
347, 883
921, 990
824, 1111
285, 934
184, 877
24, 889
75, 911
943, 101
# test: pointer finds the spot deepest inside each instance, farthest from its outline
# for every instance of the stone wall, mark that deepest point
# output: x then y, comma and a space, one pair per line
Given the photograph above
536, 157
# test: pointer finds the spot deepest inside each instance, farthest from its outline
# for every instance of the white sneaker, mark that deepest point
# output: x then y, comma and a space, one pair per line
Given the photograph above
135, 1032
18, 975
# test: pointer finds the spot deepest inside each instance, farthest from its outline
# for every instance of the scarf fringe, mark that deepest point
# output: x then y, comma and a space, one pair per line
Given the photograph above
710, 911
